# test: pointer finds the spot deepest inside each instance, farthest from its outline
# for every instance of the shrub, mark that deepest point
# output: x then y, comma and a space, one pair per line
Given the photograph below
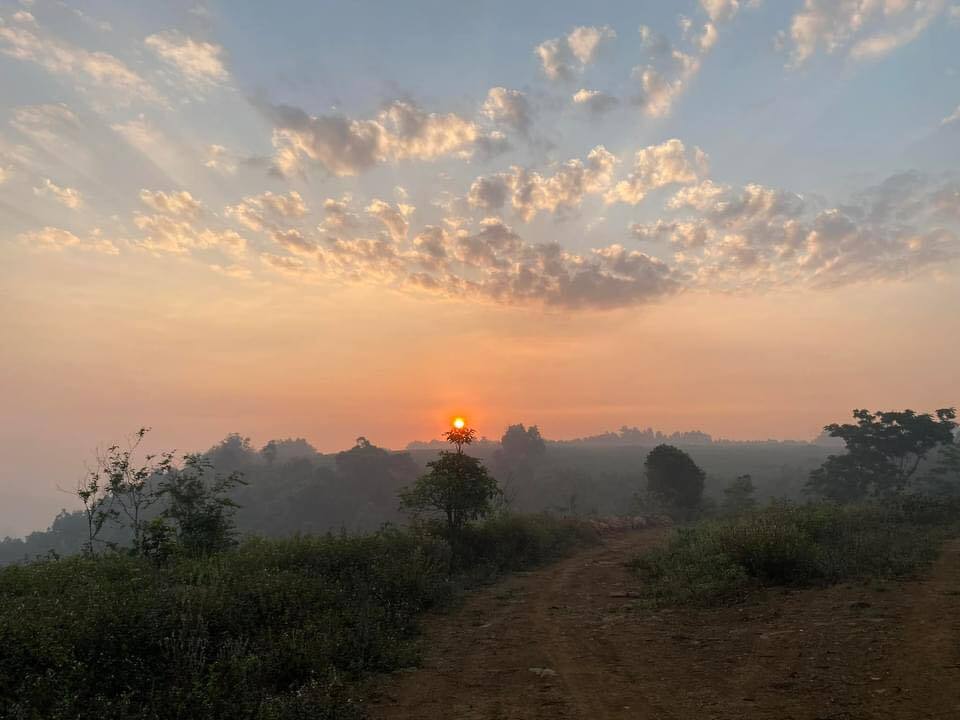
722, 560
271, 630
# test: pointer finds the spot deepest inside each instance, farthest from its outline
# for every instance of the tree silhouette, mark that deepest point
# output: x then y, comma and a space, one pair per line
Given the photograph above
884, 451
456, 487
674, 478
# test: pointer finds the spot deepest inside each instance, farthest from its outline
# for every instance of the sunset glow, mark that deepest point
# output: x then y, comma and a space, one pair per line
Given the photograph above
293, 221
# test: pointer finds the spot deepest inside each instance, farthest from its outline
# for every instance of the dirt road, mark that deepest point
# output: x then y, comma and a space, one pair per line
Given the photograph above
569, 641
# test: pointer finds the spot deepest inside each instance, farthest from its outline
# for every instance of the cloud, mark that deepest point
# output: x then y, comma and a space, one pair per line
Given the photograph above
46, 125
393, 216
952, 117
220, 159
530, 192
4, 174
89, 70
344, 146
494, 263
862, 29
595, 101
720, 10
563, 58
268, 210
663, 83
52, 238
172, 234
656, 166
176, 204
67, 196
755, 237
199, 62
508, 107
142, 135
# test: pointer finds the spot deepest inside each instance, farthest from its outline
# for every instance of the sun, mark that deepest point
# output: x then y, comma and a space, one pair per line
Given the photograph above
459, 423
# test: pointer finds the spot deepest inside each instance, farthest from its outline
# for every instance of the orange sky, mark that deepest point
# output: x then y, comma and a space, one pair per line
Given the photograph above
94, 354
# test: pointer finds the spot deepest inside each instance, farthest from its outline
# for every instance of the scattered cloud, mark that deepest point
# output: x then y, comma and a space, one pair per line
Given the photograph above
755, 237
175, 204
720, 10
268, 211
657, 166
344, 146
595, 101
67, 196
221, 160
393, 216
88, 70
510, 108
530, 192
564, 58
52, 238
861, 29
175, 235
952, 117
200, 63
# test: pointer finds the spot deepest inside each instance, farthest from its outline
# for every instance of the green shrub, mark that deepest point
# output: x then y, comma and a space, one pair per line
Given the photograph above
270, 630
722, 560
514, 542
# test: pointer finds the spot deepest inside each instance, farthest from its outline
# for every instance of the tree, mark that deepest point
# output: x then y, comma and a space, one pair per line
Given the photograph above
943, 479
457, 486
738, 495
200, 508
674, 478
119, 487
884, 451
516, 461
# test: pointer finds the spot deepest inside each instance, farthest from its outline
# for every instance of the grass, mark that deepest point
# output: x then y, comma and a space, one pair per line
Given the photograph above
722, 561
273, 630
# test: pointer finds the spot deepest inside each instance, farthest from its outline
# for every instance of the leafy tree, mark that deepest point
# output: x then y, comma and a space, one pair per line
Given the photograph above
884, 451
520, 444
943, 479
457, 486
122, 489
738, 495
201, 509
521, 452
674, 478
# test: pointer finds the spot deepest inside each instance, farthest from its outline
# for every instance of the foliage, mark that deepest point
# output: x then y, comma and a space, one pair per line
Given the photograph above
269, 630
943, 479
457, 486
308, 492
722, 560
884, 452
674, 478
121, 489
738, 495
201, 509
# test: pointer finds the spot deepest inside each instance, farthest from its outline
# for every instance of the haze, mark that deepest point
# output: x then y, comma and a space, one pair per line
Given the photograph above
342, 219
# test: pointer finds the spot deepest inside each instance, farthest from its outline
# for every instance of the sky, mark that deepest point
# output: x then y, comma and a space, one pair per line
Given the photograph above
332, 219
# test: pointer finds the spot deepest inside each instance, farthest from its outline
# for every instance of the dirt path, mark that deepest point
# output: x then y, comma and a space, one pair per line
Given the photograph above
568, 641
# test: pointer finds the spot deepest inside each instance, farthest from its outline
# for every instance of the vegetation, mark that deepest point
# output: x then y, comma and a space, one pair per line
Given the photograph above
884, 451
271, 629
674, 479
723, 560
182, 621
457, 487
738, 495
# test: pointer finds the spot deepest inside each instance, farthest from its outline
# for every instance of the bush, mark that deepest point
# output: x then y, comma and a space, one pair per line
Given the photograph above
270, 630
723, 560
514, 542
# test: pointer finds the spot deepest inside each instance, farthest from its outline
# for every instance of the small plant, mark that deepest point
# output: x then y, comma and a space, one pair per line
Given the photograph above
723, 560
